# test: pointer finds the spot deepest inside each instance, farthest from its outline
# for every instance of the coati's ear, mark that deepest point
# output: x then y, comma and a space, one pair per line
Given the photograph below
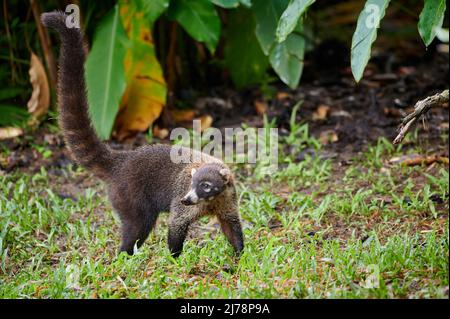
193, 171
226, 174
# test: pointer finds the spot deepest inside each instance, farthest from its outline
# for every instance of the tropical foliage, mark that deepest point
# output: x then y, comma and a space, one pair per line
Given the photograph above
132, 66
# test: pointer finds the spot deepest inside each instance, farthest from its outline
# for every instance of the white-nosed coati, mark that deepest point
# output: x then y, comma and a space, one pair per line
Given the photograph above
143, 182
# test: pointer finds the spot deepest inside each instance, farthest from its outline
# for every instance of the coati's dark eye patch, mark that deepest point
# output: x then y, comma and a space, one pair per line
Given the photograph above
206, 186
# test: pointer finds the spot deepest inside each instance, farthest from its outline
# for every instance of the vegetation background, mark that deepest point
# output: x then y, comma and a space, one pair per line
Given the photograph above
347, 215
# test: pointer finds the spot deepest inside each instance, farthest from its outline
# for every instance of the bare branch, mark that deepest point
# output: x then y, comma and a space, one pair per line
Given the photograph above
45, 42
420, 108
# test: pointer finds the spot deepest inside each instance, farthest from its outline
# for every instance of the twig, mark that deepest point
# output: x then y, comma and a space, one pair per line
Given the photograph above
45, 42
11, 52
420, 108
171, 58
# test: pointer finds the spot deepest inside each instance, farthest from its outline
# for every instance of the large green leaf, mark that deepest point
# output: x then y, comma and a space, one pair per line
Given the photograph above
105, 75
246, 3
267, 15
153, 8
365, 34
226, 3
11, 115
10, 92
289, 18
246, 66
286, 57
199, 18
431, 19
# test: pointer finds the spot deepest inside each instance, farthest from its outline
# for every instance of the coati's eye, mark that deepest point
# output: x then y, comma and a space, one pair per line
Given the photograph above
205, 186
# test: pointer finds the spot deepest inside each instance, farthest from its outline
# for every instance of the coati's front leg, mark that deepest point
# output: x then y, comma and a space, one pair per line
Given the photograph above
182, 216
179, 220
231, 227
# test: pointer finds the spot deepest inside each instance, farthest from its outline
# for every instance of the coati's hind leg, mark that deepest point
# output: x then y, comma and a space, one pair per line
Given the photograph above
231, 227
135, 230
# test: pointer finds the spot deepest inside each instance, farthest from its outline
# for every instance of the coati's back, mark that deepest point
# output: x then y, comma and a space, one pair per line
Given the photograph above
149, 172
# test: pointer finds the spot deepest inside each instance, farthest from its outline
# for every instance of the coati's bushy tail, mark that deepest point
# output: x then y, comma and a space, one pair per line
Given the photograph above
74, 119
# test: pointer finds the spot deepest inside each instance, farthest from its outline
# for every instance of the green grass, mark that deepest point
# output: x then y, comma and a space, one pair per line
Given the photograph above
312, 230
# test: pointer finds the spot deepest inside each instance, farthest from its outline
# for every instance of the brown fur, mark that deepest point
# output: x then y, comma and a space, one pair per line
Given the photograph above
143, 182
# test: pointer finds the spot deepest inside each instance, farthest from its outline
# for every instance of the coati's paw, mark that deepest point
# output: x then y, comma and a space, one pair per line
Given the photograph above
238, 252
129, 252
175, 254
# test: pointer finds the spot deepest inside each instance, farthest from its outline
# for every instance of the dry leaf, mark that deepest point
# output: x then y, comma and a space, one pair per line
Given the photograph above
417, 159
145, 94
283, 95
442, 48
205, 122
406, 70
328, 136
393, 112
321, 113
183, 115
341, 113
260, 107
327, 260
40, 97
160, 133
10, 132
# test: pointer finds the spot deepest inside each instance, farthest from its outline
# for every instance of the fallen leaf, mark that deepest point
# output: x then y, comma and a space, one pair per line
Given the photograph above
406, 70
341, 113
40, 97
327, 260
368, 83
328, 136
417, 159
160, 133
213, 103
283, 95
205, 122
385, 77
442, 48
321, 113
260, 107
182, 115
393, 112
10, 132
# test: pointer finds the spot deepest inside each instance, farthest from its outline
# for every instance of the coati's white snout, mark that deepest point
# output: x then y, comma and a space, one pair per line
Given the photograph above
191, 198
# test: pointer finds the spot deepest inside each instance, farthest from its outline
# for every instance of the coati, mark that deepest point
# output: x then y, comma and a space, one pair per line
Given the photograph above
143, 182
